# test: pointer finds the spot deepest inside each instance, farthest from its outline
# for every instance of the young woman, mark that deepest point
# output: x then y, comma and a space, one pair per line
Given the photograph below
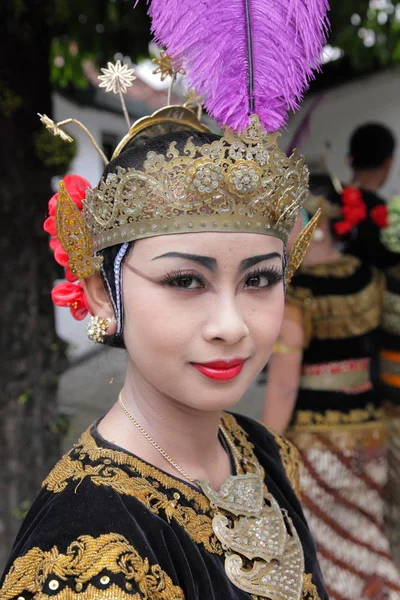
181, 254
319, 386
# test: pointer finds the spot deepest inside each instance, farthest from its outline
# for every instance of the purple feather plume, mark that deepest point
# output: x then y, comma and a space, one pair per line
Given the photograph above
244, 56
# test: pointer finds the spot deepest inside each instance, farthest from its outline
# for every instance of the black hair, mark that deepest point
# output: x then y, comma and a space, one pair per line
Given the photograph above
371, 145
133, 158
320, 184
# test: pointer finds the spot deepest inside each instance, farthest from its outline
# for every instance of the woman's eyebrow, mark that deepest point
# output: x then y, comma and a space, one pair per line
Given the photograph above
211, 263
250, 262
206, 261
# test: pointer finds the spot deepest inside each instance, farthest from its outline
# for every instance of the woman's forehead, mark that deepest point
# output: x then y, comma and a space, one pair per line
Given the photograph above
217, 245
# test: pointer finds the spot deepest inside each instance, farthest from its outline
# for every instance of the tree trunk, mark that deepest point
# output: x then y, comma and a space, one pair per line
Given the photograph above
31, 354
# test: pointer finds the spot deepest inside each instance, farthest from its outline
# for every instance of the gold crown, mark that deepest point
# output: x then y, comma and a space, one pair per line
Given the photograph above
237, 183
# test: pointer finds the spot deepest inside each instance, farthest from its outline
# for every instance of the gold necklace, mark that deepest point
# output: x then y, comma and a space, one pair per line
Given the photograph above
236, 455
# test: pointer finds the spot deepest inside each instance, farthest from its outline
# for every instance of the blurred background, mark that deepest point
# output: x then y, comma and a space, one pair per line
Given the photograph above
54, 382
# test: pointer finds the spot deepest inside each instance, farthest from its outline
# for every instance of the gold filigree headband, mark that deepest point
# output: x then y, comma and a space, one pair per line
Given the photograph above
238, 184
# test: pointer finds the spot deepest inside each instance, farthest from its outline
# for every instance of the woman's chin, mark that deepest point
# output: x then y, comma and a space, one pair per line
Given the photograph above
221, 396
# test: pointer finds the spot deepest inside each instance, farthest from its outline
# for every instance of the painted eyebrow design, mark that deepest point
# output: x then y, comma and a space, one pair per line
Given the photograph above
211, 263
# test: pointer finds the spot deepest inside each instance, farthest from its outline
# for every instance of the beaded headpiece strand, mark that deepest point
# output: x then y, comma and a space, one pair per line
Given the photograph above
242, 182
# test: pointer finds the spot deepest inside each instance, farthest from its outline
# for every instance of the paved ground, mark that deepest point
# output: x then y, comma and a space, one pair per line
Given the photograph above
90, 387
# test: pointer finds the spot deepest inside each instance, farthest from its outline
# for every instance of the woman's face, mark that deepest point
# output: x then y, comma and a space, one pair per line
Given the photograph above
202, 313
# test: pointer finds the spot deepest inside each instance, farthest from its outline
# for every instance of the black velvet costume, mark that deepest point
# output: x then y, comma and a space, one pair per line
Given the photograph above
108, 525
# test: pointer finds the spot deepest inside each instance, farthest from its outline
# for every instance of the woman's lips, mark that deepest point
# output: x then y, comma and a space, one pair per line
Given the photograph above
221, 370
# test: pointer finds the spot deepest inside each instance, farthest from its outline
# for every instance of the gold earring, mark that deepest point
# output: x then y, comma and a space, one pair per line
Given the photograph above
96, 329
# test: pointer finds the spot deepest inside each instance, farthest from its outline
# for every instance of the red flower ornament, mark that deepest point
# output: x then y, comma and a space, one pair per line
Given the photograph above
379, 215
73, 296
354, 210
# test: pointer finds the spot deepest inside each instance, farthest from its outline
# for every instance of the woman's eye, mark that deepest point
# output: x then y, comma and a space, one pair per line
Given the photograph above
262, 280
257, 281
187, 282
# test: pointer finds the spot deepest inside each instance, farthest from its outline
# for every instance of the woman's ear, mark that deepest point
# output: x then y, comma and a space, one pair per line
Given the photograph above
99, 301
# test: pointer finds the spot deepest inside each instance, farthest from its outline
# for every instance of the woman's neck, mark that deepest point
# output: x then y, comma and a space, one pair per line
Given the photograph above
188, 436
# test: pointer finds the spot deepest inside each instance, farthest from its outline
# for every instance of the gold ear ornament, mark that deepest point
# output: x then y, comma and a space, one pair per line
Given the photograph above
301, 246
96, 329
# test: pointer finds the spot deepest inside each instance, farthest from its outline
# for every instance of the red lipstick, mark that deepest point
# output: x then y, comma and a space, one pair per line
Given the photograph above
221, 370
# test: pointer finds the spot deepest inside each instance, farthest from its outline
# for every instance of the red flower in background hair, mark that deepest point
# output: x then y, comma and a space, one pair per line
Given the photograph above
379, 215
354, 210
69, 293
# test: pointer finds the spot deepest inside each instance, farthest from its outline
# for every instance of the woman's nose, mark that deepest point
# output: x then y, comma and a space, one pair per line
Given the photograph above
225, 322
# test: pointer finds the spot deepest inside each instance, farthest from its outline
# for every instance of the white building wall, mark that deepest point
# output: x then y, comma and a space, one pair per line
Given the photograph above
376, 98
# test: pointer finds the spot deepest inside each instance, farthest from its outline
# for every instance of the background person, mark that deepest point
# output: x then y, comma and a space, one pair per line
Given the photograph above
371, 155
319, 390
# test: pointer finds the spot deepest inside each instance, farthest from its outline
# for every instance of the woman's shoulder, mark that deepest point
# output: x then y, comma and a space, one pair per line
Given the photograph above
88, 529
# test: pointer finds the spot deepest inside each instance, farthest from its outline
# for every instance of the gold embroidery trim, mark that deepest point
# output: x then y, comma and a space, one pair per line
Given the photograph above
345, 266
198, 526
291, 461
310, 591
339, 317
90, 569
240, 439
89, 448
308, 420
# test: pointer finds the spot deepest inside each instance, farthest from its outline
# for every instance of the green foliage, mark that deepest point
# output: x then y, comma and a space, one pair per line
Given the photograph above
53, 151
367, 32
95, 31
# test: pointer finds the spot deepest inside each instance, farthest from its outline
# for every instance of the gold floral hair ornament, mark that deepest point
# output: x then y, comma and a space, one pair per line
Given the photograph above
75, 237
118, 79
168, 67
